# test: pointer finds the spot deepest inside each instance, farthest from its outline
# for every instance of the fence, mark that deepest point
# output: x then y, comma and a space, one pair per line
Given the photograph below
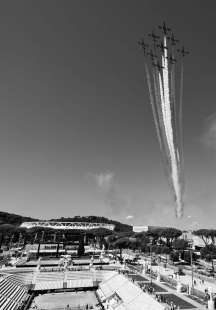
68, 308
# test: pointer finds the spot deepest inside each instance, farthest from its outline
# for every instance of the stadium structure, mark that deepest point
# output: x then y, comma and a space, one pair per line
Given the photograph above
113, 287
68, 225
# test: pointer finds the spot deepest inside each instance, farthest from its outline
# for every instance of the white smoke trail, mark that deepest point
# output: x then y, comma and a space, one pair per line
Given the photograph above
154, 110
180, 128
173, 101
163, 145
167, 117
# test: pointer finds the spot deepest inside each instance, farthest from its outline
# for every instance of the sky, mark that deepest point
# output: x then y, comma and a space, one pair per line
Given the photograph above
77, 135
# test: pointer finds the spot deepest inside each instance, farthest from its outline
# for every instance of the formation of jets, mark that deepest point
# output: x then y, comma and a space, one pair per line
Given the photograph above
158, 45
164, 28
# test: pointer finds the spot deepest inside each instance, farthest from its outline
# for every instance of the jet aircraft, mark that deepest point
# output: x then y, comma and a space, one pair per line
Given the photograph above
173, 40
143, 45
183, 51
171, 59
154, 37
157, 65
161, 46
164, 28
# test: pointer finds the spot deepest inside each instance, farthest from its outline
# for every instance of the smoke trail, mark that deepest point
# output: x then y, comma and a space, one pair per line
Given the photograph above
166, 108
180, 124
164, 146
175, 172
173, 102
154, 109
162, 91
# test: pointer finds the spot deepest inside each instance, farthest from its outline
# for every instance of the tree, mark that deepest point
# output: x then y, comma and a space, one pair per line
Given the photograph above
187, 257
99, 234
208, 252
174, 256
165, 250
170, 234
212, 234
81, 248
122, 243
154, 235
205, 234
142, 240
180, 244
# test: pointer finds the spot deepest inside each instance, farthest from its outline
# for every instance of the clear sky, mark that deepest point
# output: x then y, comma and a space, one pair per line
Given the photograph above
75, 114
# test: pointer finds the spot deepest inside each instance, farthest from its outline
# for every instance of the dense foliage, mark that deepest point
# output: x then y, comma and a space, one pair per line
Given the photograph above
14, 219
208, 236
208, 252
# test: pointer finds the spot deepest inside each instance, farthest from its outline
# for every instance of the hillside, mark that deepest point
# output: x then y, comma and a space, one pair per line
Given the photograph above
95, 219
16, 220
13, 219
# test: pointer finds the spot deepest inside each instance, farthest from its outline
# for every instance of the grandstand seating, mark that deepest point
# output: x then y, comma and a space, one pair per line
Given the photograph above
132, 297
23, 275
13, 292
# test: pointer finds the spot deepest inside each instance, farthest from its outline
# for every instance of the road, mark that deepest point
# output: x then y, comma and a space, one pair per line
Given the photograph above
187, 280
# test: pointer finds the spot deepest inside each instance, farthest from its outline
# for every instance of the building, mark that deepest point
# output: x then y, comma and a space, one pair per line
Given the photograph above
145, 228
140, 228
195, 241
51, 249
68, 225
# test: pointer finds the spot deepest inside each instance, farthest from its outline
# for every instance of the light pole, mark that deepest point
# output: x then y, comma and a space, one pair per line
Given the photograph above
150, 264
192, 274
150, 248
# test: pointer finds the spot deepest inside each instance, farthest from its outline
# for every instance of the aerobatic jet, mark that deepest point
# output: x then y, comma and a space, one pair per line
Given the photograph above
143, 45
173, 40
164, 28
171, 59
183, 51
154, 37
162, 47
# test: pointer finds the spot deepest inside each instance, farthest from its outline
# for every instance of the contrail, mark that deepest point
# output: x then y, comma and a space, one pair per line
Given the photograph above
164, 146
173, 101
167, 111
167, 120
170, 136
180, 123
154, 110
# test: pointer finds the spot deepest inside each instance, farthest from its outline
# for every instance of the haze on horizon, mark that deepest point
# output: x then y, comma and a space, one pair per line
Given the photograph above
76, 129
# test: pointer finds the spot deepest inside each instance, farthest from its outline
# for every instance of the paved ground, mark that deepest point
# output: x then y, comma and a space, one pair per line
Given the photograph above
137, 277
179, 299
186, 279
